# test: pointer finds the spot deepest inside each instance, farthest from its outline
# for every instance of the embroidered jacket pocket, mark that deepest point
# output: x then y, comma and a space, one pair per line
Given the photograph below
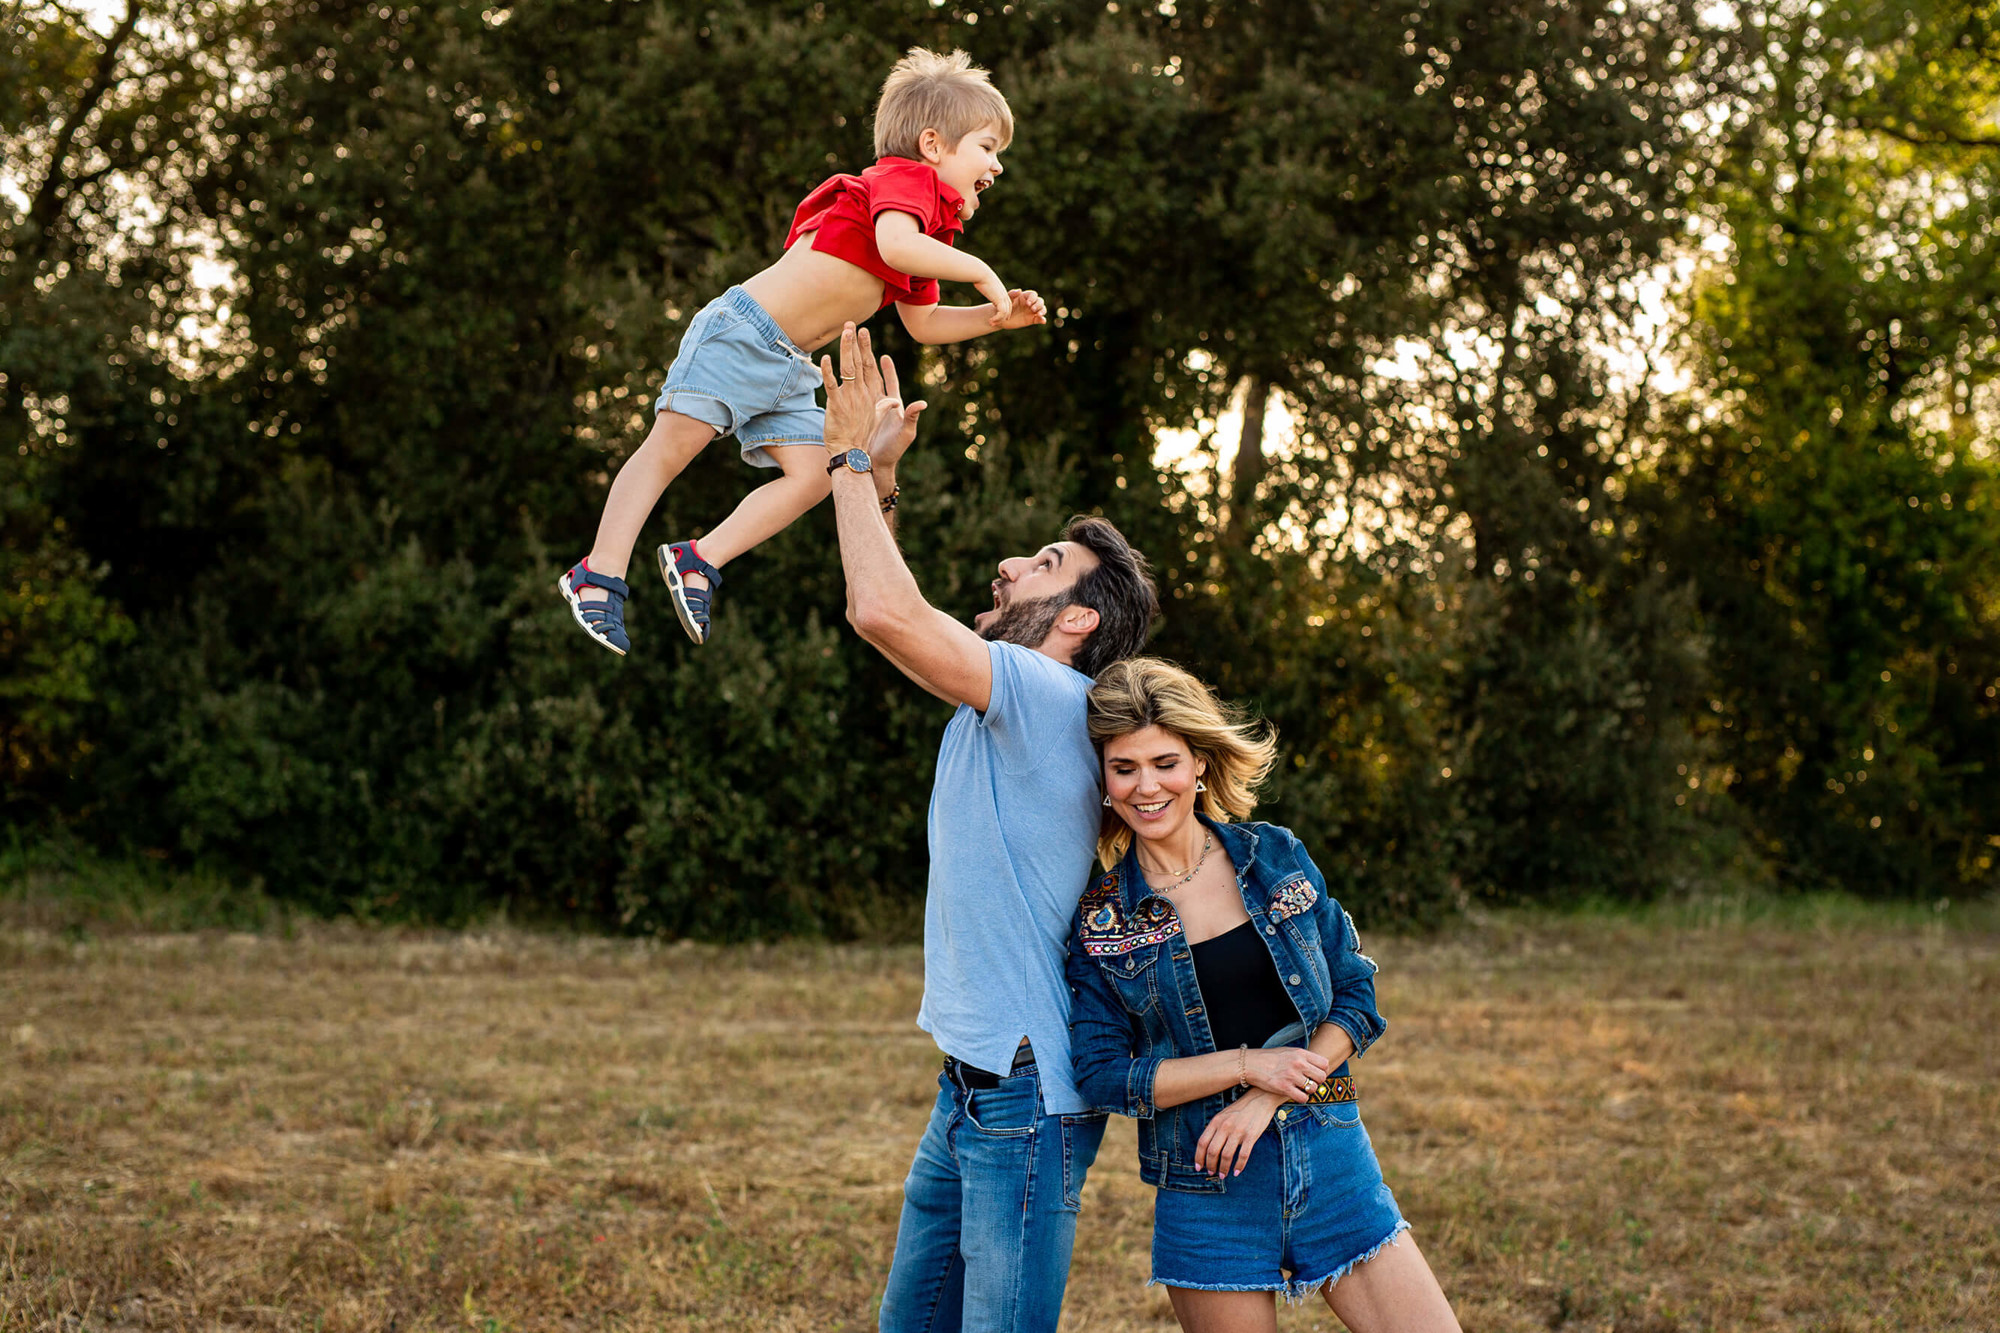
1113, 936
1293, 898
1125, 944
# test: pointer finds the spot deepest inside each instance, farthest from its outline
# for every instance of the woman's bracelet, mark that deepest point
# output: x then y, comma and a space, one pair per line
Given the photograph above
889, 500
1242, 1065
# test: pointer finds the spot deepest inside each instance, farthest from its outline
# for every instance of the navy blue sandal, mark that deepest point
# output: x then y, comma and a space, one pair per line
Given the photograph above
603, 621
678, 559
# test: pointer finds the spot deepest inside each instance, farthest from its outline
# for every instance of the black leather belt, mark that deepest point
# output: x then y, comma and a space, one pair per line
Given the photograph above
974, 1079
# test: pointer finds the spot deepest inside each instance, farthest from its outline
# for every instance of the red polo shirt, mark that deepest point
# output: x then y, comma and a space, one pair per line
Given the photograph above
843, 211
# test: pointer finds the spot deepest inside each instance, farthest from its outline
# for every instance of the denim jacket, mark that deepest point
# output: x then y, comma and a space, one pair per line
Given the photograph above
1136, 1002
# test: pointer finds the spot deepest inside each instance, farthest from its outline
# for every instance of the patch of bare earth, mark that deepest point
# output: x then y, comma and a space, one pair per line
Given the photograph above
1591, 1124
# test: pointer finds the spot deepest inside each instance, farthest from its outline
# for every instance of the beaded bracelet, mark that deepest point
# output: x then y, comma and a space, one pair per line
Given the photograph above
1242, 1065
889, 500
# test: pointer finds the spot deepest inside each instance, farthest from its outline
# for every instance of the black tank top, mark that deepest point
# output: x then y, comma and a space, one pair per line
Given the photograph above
1239, 985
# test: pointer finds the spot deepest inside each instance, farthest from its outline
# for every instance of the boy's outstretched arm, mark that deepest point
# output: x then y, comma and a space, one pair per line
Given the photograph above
903, 246
936, 324
884, 603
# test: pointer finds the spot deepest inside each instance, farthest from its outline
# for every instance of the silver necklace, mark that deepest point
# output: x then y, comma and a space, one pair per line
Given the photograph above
1207, 841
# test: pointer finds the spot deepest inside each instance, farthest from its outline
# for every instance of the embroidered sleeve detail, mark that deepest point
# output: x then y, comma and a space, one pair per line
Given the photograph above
1292, 898
1108, 931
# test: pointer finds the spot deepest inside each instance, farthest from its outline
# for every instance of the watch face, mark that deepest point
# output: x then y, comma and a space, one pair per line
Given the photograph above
859, 460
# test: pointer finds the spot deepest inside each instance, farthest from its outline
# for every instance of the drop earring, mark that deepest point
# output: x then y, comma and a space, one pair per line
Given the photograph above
1199, 785
1107, 798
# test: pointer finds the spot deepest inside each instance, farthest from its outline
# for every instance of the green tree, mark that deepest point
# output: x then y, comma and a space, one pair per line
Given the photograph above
1419, 229
458, 242
95, 129
1830, 483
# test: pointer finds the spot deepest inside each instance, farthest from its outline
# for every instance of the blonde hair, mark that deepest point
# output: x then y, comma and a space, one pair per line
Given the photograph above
927, 91
1143, 692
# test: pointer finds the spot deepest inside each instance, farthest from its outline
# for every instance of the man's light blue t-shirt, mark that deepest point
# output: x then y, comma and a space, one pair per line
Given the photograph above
1013, 827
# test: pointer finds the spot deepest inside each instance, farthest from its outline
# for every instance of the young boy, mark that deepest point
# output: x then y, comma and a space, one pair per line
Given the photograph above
857, 244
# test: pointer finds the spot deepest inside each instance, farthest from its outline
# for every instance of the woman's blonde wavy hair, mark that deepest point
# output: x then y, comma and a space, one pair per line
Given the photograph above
1142, 692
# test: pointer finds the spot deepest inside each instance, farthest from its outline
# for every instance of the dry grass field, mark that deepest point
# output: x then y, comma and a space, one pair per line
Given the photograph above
1593, 1123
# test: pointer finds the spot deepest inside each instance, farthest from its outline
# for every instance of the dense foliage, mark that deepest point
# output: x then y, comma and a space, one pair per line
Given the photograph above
322, 325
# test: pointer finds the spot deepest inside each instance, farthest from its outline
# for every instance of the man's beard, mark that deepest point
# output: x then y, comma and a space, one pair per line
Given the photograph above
1026, 622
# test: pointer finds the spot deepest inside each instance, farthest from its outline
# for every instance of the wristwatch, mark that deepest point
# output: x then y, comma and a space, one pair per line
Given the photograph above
856, 460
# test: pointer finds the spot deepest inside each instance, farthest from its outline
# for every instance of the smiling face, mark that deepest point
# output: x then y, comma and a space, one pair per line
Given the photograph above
1150, 776
968, 166
1049, 573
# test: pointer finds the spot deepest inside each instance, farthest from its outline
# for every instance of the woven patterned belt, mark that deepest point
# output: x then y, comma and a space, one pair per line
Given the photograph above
1335, 1090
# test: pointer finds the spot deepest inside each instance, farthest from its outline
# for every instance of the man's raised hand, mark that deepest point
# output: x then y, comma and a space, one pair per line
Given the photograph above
864, 404
854, 403
894, 432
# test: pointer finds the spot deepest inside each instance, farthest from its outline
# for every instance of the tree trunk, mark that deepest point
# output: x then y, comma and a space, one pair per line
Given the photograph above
1248, 472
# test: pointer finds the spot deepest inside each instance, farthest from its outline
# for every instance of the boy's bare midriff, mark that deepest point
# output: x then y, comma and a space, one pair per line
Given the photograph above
812, 295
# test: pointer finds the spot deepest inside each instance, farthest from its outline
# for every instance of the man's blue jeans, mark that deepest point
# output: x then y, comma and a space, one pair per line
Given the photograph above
989, 1212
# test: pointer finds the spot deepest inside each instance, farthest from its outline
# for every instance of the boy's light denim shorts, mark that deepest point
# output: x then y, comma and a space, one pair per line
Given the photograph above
1309, 1206
737, 371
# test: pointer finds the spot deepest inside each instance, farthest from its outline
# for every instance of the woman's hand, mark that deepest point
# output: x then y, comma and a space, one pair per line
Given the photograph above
1290, 1072
1225, 1145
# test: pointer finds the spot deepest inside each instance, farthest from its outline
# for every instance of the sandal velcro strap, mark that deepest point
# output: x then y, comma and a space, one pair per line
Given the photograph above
687, 562
581, 578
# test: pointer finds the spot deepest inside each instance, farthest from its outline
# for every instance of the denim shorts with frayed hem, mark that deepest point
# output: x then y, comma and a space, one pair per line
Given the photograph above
738, 372
1309, 1206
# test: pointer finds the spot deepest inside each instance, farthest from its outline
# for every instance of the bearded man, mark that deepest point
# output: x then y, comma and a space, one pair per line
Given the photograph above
990, 1204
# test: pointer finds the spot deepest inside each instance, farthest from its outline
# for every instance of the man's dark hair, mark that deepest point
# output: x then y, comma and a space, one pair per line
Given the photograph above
1120, 589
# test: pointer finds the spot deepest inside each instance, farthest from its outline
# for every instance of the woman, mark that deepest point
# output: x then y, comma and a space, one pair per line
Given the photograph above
1219, 993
